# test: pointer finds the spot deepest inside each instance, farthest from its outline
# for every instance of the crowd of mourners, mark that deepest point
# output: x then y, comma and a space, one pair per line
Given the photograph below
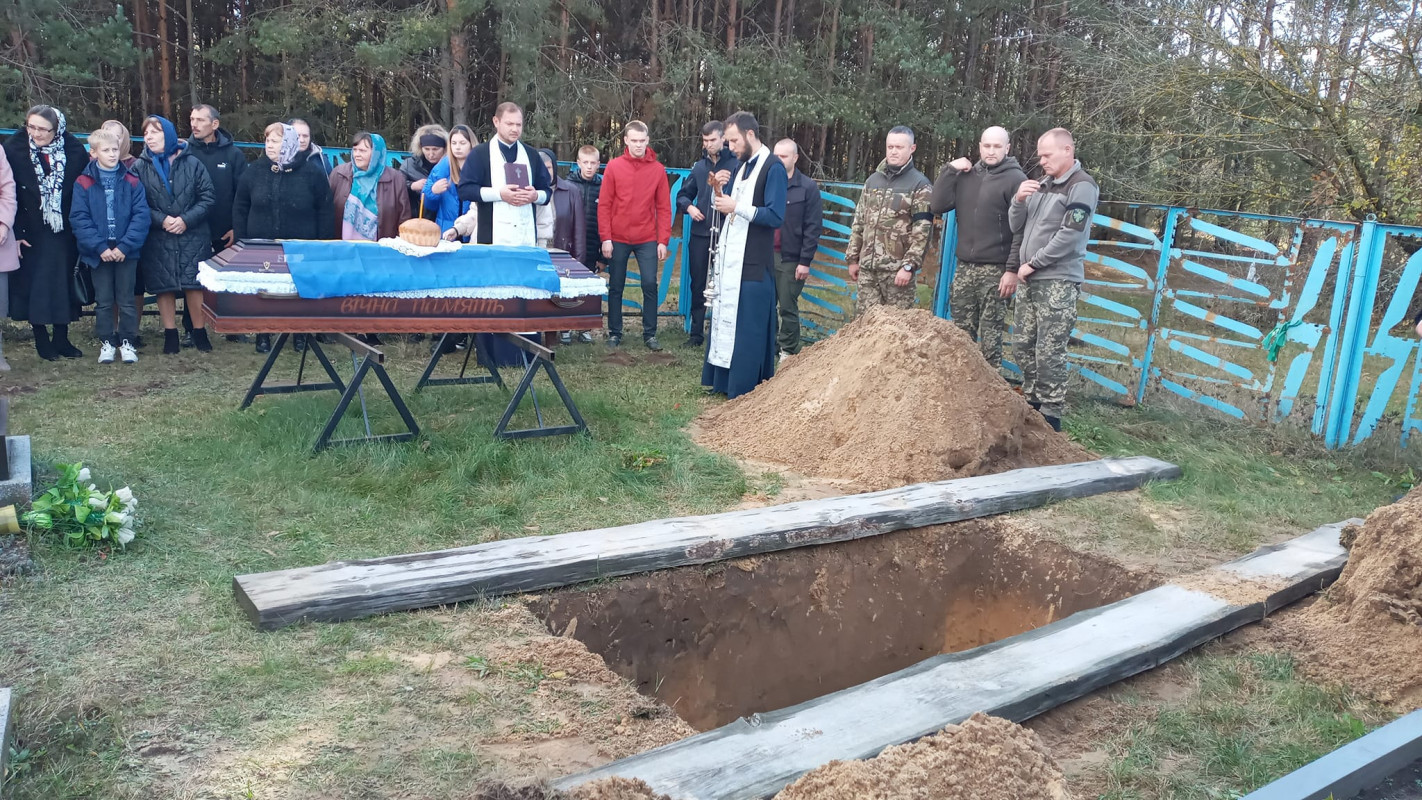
140, 225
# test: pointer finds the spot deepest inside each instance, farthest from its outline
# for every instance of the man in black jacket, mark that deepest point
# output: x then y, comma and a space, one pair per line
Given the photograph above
981, 193
214, 147
694, 200
589, 182
797, 240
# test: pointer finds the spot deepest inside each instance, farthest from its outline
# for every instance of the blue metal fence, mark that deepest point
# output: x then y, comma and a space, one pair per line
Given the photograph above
1260, 318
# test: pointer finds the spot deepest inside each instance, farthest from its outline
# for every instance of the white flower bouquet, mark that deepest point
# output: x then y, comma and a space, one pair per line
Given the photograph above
83, 514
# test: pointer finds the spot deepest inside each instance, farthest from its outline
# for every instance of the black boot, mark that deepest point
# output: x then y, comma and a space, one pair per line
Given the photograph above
42, 344
200, 340
298, 342
61, 343
1055, 422
170, 341
264, 343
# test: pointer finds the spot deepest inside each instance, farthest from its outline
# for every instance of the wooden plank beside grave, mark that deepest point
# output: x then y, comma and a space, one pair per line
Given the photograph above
1016, 678
353, 589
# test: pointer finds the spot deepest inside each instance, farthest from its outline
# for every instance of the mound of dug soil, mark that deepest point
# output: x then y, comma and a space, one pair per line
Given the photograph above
895, 397
1366, 632
985, 758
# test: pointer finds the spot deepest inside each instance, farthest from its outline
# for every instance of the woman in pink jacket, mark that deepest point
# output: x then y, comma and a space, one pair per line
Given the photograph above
9, 247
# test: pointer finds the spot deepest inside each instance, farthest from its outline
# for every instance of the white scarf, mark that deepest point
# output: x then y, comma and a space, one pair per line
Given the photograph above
511, 225
730, 255
51, 184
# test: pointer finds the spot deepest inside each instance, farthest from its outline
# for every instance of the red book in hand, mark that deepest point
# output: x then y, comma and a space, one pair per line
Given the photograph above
516, 175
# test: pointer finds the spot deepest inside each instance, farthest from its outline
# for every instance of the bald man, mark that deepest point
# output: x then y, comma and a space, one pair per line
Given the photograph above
981, 193
797, 241
1053, 218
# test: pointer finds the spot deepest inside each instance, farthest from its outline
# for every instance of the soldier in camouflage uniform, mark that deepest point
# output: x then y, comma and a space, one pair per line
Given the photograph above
1053, 218
981, 194
891, 229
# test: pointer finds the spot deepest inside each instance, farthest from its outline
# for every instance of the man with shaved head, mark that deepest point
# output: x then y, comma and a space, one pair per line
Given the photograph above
981, 194
1053, 219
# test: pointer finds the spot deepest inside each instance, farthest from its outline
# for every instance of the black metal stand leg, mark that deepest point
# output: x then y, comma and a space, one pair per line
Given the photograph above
367, 365
462, 380
259, 386
530, 372
313, 346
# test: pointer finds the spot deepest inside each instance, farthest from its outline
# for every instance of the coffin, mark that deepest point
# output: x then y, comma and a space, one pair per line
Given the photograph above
280, 310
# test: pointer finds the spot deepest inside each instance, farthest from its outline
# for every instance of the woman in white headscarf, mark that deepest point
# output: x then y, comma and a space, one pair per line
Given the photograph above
282, 195
45, 160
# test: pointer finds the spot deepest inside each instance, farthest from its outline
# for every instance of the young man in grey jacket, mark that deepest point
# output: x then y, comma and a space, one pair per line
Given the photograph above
981, 193
1053, 218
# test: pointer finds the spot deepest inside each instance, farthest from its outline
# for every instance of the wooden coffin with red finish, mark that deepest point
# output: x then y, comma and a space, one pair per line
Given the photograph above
267, 312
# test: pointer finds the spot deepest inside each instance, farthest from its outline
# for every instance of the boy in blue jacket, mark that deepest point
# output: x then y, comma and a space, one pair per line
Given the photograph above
110, 221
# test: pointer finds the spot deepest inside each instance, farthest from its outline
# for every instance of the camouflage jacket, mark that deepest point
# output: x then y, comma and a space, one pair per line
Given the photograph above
892, 223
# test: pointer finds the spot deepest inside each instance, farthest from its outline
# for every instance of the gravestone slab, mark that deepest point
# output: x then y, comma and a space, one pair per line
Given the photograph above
5, 725
19, 488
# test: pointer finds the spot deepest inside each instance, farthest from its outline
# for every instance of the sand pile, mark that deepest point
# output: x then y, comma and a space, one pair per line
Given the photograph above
1366, 632
615, 789
896, 397
985, 758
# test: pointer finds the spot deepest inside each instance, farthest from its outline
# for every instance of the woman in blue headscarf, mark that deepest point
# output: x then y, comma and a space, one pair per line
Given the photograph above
370, 199
180, 196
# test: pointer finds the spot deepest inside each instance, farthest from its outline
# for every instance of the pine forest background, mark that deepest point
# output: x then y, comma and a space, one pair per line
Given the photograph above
1295, 107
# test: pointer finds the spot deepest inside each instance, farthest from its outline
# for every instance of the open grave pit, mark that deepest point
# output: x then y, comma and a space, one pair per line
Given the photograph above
732, 639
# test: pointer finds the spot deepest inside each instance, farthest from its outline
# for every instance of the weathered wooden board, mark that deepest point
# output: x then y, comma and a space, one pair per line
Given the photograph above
1355, 766
1016, 678
6, 725
353, 589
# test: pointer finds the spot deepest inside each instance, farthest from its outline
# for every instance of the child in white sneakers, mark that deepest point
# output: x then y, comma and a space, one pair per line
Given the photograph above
110, 220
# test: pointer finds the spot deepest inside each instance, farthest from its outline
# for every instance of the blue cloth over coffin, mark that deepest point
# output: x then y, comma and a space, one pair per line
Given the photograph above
341, 269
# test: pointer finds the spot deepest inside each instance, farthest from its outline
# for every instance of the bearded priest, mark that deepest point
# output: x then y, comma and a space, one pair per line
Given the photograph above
740, 352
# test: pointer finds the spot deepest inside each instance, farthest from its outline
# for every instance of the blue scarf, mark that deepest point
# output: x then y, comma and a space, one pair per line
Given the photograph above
361, 210
172, 145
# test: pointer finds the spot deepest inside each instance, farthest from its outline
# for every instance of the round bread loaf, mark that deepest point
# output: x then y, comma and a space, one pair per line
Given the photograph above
420, 232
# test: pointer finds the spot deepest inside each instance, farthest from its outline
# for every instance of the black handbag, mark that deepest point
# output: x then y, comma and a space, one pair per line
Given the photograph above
83, 284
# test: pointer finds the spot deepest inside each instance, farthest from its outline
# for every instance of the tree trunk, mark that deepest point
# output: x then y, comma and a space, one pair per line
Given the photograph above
192, 54
653, 39
165, 71
140, 34
733, 7
460, 69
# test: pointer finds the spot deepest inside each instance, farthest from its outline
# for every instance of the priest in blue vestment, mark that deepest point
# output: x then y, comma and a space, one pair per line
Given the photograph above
740, 352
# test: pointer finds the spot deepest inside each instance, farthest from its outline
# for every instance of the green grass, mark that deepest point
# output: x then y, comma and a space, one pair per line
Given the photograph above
124, 664
150, 640
1242, 485
1248, 721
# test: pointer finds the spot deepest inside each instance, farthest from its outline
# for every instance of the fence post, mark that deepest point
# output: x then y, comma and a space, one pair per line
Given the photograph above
1357, 321
683, 295
948, 265
1167, 245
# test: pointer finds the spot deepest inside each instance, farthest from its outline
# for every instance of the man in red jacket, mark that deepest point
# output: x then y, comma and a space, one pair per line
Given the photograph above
634, 219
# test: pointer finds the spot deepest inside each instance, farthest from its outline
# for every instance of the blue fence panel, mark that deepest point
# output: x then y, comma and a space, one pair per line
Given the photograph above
1379, 341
